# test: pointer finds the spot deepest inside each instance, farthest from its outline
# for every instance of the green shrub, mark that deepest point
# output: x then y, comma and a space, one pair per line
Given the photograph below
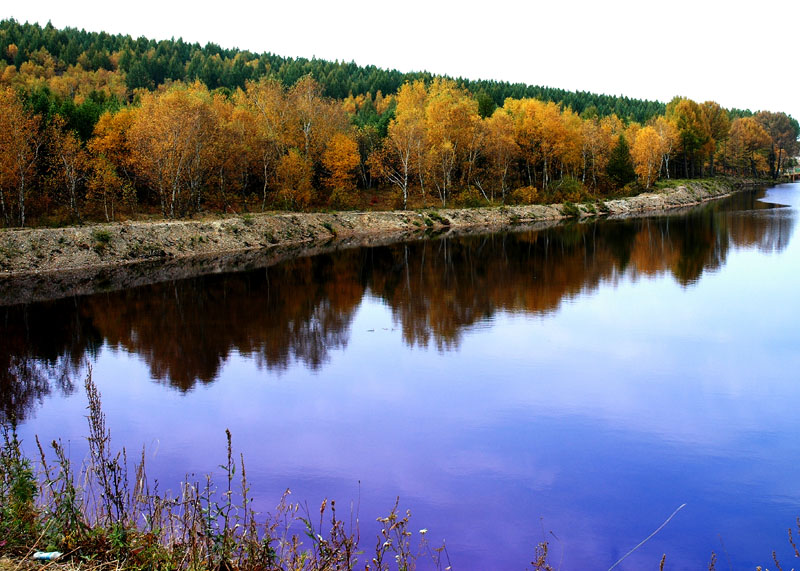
571, 210
102, 238
436, 217
329, 227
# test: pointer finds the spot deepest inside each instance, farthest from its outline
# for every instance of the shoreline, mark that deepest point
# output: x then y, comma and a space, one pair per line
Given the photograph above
47, 263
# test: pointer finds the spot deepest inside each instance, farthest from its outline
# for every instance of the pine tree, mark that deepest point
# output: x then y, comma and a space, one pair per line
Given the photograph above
620, 165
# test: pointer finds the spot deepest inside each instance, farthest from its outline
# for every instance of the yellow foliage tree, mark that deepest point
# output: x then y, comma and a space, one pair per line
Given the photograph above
340, 160
501, 146
404, 146
450, 117
646, 152
294, 172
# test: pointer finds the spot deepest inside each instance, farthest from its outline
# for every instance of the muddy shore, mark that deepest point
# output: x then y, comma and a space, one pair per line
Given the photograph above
45, 263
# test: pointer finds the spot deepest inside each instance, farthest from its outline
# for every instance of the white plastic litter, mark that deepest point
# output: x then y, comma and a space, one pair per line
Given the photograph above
47, 555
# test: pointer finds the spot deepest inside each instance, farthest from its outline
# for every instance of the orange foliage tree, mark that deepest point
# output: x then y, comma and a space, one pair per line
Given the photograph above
341, 159
172, 141
69, 163
20, 141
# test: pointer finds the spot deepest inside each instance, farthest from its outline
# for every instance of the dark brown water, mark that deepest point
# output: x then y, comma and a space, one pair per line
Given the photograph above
586, 379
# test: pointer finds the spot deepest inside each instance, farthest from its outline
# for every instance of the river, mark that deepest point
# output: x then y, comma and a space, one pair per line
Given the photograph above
574, 385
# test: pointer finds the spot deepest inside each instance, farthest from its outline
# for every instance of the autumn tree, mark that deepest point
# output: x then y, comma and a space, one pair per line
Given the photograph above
110, 139
20, 141
340, 160
314, 118
549, 140
171, 138
693, 130
405, 140
271, 135
718, 125
111, 180
501, 147
597, 138
232, 154
647, 151
449, 121
783, 131
749, 145
294, 173
552, 136
669, 139
69, 163
106, 188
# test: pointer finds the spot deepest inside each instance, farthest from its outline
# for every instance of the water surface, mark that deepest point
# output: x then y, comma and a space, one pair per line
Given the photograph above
585, 380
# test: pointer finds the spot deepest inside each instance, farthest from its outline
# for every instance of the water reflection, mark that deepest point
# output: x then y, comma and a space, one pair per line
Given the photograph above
301, 310
43, 347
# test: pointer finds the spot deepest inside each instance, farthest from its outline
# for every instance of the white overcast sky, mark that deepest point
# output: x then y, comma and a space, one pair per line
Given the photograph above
740, 54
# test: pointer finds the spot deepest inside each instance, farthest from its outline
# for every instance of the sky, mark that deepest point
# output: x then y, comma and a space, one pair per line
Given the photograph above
743, 55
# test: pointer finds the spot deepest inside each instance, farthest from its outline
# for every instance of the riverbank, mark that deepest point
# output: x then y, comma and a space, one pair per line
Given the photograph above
47, 250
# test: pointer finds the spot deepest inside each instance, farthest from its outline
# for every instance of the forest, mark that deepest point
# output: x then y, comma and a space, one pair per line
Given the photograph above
106, 127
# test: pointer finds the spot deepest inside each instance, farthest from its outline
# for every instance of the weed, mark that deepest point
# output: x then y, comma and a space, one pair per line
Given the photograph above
329, 227
18, 489
247, 219
109, 517
571, 210
540, 563
102, 238
436, 217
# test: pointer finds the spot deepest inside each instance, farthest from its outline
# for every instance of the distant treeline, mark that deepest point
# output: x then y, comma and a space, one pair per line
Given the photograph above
147, 63
98, 126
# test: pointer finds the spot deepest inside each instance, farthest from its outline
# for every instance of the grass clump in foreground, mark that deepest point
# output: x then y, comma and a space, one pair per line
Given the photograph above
103, 514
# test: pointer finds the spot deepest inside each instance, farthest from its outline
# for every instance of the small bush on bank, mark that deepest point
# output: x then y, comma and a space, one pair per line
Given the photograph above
524, 195
470, 197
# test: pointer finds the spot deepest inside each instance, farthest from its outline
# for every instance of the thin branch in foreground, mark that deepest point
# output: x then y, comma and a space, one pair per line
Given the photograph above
649, 537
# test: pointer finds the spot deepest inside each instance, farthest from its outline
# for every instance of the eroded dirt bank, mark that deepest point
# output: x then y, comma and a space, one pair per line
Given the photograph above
43, 263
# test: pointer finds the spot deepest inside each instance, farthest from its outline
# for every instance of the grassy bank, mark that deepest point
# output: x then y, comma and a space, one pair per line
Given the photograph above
57, 249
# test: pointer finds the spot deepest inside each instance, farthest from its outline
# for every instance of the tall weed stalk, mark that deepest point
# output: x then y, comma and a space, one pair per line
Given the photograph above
105, 513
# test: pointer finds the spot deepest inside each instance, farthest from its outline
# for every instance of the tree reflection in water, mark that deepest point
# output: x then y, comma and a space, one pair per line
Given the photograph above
301, 310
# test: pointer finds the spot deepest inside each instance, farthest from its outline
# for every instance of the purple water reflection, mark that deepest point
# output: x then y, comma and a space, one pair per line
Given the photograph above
586, 380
